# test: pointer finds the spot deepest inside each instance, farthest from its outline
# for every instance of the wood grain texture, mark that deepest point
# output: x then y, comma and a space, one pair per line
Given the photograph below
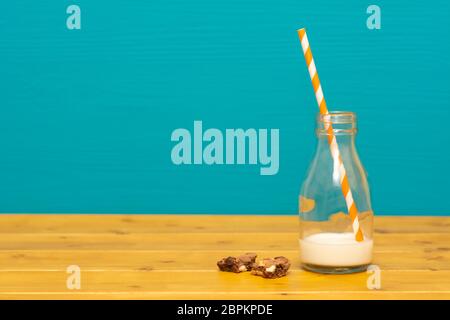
174, 256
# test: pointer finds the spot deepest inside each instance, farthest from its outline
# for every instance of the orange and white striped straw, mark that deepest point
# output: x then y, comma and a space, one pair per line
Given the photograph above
346, 191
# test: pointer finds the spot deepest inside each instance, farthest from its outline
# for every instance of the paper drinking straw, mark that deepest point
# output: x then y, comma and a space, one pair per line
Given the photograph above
351, 206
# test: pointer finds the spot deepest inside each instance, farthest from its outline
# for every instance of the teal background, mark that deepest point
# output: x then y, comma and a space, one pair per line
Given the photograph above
86, 115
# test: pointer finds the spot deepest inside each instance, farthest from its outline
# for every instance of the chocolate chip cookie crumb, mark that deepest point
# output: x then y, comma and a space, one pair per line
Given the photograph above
242, 263
248, 259
271, 268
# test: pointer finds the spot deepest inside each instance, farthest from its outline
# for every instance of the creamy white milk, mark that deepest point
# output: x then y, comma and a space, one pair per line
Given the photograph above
335, 250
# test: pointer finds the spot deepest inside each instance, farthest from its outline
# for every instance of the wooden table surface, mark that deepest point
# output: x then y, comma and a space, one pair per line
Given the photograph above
174, 257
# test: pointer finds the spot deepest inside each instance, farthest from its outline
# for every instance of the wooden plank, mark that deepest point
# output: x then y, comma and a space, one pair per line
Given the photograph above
158, 257
75, 223
139, 295
163, 284
117, 260
204, 241
415, 224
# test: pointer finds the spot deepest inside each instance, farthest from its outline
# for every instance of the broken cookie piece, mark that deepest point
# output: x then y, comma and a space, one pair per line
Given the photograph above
248, 259
242, 263
271, 268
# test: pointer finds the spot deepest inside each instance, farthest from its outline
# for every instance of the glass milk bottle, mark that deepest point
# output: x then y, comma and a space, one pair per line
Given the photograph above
328, 233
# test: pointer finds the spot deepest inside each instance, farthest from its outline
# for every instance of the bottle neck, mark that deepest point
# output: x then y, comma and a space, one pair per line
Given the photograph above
345, 142
338, 125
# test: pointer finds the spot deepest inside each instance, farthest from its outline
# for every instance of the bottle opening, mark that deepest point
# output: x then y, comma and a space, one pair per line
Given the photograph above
341, 123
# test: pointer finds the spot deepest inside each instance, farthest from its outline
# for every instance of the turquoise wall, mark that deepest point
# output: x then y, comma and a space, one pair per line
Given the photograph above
86, 115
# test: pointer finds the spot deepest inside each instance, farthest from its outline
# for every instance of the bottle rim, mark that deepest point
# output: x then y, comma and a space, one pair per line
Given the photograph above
342, 122
337, 117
